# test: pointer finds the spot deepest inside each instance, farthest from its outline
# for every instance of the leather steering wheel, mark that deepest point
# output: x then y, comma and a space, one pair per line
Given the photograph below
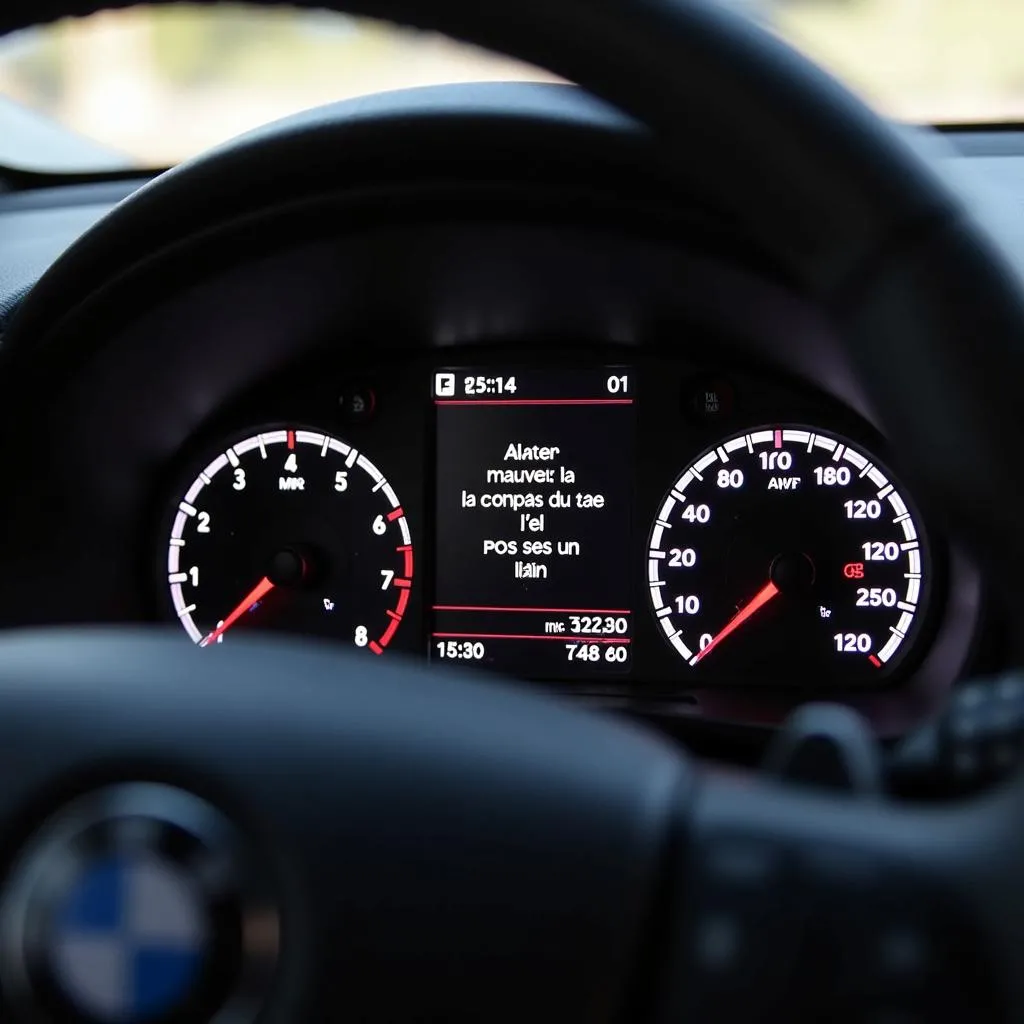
428, 849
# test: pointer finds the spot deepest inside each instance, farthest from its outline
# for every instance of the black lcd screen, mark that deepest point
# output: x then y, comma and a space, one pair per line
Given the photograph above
534, 491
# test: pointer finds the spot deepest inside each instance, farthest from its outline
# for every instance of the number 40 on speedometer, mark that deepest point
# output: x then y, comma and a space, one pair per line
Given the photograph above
788, 554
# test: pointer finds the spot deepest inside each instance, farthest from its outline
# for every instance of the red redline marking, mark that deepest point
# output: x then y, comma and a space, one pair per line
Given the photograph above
407, 550
534, 401
395, 513
394, 615
389, 633
291, 439
564, 637
778, 438
874, 661
544, 611
403, 583
376, 647
403, 600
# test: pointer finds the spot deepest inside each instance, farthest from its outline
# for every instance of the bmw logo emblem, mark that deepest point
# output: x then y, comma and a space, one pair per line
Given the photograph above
138, 903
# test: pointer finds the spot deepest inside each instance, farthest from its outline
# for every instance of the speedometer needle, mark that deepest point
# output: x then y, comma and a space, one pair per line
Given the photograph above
755, 604
259, 591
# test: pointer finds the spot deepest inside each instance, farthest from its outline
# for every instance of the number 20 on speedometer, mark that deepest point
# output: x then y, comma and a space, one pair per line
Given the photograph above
788, 553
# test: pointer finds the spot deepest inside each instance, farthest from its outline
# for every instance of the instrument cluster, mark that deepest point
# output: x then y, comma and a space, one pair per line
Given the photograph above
725, 544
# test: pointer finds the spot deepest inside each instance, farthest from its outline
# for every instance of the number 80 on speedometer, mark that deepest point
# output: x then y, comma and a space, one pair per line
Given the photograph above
788, 554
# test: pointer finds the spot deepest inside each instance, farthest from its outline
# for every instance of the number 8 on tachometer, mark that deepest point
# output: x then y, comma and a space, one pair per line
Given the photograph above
789, 555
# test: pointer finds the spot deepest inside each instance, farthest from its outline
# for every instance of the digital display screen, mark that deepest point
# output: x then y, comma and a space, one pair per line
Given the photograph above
534, 492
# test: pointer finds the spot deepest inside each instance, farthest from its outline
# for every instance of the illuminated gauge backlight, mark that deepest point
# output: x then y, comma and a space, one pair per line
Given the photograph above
788, 552
295, 531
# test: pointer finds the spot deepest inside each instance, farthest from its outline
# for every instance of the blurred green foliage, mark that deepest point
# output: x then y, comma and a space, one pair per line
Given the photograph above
219, 69
937, 59
899, 53
193, 46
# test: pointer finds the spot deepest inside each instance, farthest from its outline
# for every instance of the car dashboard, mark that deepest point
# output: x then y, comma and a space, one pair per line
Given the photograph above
593, 518
550, 422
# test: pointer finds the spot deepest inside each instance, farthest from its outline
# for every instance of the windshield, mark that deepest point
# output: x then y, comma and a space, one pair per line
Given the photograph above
151, 86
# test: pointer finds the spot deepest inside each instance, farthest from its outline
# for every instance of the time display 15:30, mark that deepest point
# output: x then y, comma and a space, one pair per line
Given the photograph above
460, 650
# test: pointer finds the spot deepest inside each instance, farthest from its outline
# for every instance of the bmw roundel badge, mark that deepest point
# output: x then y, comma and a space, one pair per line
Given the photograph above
138, 903
129, 937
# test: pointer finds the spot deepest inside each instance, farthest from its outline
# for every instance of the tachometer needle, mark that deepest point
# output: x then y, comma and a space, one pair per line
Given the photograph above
258, 592
755, 604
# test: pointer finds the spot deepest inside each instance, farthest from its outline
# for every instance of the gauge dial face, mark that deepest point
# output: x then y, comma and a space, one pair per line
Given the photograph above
788, 554
291, 530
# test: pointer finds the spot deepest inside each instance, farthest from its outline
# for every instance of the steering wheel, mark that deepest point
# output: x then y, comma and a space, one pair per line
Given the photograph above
377, 843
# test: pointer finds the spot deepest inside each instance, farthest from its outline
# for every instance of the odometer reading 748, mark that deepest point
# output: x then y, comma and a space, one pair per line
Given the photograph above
788, 552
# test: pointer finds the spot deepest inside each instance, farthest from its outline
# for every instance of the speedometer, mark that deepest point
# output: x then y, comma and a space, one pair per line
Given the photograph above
788, 553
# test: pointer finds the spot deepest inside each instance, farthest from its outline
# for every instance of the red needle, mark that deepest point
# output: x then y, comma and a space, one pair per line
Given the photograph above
758, 601
260, 590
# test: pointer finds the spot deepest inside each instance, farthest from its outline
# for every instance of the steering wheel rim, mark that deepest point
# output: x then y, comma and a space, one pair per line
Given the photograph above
847, 207
838, 197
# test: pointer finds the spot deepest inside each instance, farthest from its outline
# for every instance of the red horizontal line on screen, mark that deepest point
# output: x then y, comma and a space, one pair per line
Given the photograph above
564, 637
533, 401
545, 611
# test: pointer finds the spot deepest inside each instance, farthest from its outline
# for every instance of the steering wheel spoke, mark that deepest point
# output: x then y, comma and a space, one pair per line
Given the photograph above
800, 906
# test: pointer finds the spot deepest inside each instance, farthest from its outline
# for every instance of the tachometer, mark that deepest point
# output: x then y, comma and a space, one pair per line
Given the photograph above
788, 554
290, 530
